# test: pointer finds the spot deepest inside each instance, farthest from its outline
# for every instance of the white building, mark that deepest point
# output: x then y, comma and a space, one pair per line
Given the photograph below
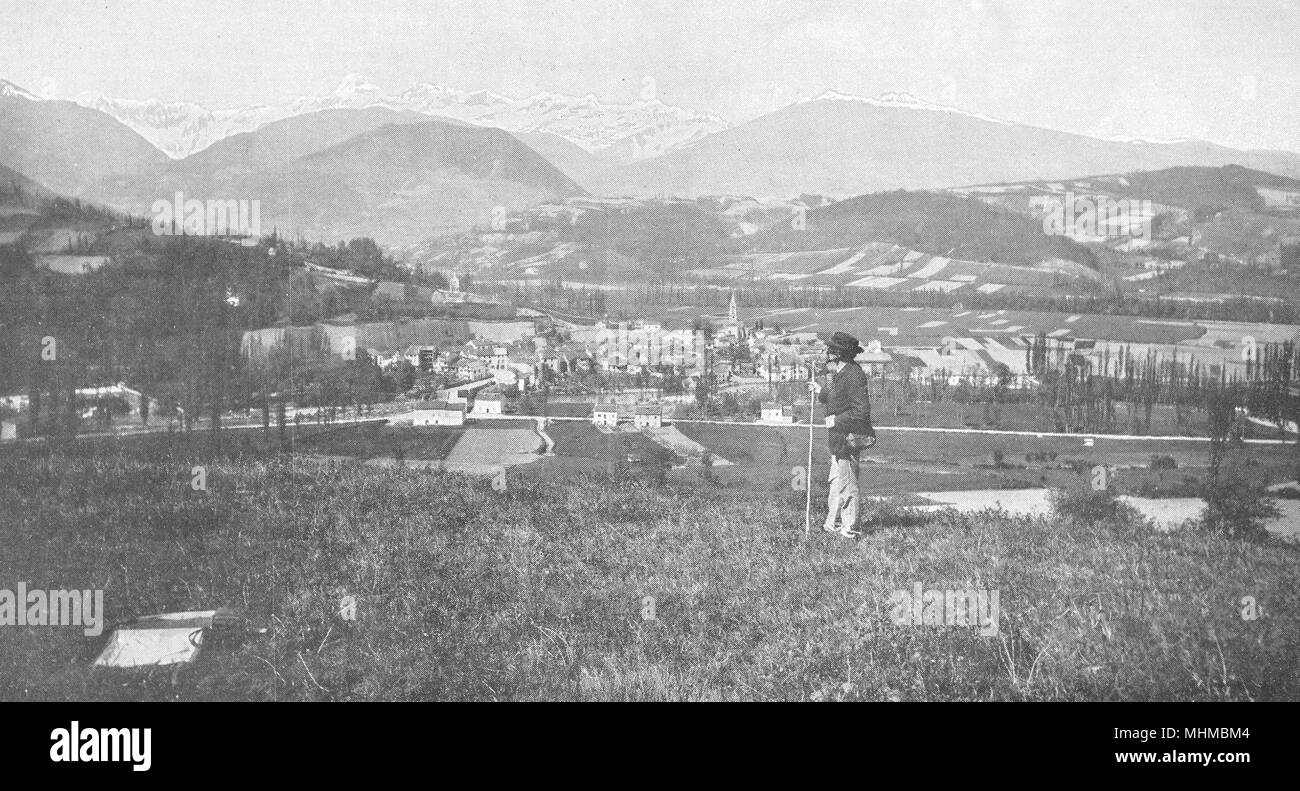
386, 360
648, 416
605, 415
488, 402
471, 368
438, 413
524, 374
775, 413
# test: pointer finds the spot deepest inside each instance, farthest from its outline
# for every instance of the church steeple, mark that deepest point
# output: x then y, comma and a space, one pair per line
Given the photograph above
731, 311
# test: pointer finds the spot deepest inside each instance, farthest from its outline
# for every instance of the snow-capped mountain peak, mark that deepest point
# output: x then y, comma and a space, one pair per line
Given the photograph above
355, 85
9, 89
646, 127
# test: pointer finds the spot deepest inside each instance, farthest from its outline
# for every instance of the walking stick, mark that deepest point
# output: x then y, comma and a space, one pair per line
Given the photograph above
807, 508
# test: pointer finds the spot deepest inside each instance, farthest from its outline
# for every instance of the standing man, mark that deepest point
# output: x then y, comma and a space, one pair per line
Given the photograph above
848, 420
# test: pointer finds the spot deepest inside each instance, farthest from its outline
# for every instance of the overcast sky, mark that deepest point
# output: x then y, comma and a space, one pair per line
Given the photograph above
1228, 72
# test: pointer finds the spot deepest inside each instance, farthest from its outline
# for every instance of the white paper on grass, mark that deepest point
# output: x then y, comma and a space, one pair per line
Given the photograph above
164, 639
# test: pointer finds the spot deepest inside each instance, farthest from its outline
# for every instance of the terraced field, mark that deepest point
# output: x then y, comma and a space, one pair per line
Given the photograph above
882, 266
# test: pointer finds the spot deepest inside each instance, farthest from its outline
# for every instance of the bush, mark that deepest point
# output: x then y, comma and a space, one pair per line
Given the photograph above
706, 469
1159, 462
1237, 506
883, 514
1089, 506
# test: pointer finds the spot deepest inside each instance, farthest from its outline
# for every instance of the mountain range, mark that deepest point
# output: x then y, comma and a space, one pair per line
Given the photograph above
394, 176
842, 145
65, 146
433, 160
617, 131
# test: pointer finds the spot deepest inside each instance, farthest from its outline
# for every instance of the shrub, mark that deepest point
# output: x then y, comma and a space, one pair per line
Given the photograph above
1237, 505
884, 514
1159, 462
1089, 506
706, 469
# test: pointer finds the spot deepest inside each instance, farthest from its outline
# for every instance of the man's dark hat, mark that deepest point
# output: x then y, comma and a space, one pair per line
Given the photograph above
844, 344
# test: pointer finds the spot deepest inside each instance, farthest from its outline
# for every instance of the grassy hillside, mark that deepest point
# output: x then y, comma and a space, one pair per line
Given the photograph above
538, 592
51, 227
569, 158
1230, 186
67, 147
935, 223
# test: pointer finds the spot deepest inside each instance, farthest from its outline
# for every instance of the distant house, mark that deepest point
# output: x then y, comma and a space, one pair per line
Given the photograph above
792, 372
771, 412
438, 413
445, 363
506, 377
648, 416
8, 431
524, 374
387, 359
874, 359
471, 368
488, 402
605, 415
420, 356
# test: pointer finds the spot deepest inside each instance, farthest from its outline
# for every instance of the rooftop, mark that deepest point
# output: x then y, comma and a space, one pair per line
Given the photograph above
437, 405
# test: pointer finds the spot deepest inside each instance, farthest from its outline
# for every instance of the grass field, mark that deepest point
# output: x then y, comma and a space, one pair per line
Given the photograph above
431, 443
359, 440
538, 592
580, 447
908, 461
762, 456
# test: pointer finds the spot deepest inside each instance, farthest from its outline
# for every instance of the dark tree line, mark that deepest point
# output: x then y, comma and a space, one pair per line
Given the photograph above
716, 292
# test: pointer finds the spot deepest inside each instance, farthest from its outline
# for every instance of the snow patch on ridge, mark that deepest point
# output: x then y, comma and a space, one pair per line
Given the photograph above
899, 99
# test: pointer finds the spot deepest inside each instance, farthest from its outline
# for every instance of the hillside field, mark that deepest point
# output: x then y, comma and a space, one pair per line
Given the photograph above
540, 592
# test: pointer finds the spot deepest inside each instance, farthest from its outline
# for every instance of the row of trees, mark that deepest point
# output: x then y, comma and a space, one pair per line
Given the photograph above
634, 297
168, 318
1074, 391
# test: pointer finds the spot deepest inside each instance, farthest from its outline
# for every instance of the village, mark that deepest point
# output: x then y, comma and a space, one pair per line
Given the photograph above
494, 360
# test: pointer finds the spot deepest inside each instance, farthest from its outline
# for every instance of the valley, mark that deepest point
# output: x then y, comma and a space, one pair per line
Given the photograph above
502, 391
